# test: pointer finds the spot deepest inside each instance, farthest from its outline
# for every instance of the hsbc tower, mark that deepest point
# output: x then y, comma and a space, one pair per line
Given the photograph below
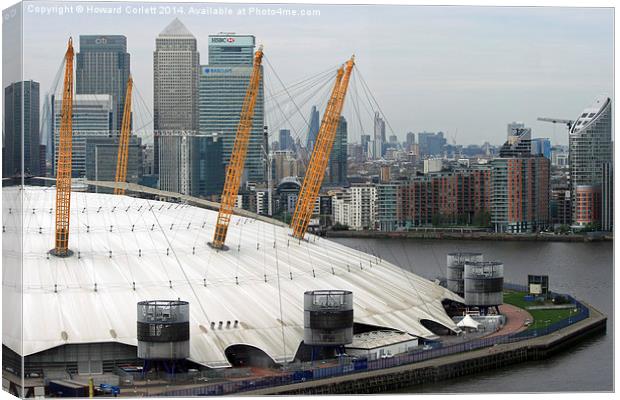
231, 49
222, 87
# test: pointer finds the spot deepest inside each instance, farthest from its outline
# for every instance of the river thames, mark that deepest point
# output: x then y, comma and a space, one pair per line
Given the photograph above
584, 270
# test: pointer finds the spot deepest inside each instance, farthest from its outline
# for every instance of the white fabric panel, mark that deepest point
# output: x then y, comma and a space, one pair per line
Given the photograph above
162, 248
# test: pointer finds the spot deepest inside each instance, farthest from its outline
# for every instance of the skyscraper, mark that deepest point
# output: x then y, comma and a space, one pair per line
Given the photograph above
313, 129
176, 63
102, 67
365, 143
337, 167
222, 90
92, 116
175, 148
590, 147
286, 140
102, 155
379, 135
541, 146
231, 49
21, 115
207, 165
431, 144
410, 141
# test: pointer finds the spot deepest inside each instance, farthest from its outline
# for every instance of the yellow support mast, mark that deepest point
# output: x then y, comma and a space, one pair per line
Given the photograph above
237, 157
321, 152
63, 167
123, 142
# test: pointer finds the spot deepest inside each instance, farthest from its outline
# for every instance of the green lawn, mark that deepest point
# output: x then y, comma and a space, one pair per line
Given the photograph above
541, 318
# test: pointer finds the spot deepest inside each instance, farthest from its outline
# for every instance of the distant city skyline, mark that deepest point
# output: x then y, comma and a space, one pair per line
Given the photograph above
467, 71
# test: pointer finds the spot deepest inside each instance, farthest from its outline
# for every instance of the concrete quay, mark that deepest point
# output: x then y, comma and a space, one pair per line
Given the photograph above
451, 366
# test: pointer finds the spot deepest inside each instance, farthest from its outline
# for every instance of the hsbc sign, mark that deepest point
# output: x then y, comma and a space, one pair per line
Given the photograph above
223, 40
231, 40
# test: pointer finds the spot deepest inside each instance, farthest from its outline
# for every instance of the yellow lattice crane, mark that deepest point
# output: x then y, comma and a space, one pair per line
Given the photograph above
237, 157
321, 152
63, 167
123, 142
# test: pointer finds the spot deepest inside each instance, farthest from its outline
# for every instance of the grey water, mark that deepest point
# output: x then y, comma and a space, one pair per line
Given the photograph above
584, 270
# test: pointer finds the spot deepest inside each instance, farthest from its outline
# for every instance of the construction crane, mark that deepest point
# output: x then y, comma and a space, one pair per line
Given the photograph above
237, 157
321, 152
567, 122
123, 142
63, 170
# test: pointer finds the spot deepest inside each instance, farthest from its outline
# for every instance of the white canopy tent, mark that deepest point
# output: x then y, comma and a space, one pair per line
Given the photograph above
469, 323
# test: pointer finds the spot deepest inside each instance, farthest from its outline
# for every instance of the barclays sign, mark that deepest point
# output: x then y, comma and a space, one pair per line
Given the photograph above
211, 70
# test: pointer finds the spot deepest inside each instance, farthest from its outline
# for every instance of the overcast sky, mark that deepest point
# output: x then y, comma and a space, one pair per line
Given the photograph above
463, 70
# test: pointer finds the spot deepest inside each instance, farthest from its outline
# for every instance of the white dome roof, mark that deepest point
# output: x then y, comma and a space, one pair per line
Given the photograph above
161, 247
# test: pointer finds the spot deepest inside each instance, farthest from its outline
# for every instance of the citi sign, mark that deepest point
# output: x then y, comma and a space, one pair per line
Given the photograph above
223, 40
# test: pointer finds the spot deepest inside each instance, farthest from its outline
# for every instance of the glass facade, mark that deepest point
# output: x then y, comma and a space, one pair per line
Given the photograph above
590, 146
221, 94
92, 116
337, 168
102, 157
21, 115
231, 49
102, 67
207, 166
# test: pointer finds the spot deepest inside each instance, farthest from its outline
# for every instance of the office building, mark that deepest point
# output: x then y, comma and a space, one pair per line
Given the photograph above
431, 144
541, 146
176, 63
92, 116
378, 136
21, 114
208, 172
337, 167
365, 141
222, 90
102, 66
409, 141
286, 140
313, 129
231, 49
102, 157
559, 156
284, 165
175, 153
590, 147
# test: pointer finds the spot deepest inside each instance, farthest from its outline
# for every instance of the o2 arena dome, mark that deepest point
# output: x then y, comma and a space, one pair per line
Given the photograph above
127, 250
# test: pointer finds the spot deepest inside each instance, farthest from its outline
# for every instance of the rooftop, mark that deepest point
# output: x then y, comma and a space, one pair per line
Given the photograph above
129, 249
